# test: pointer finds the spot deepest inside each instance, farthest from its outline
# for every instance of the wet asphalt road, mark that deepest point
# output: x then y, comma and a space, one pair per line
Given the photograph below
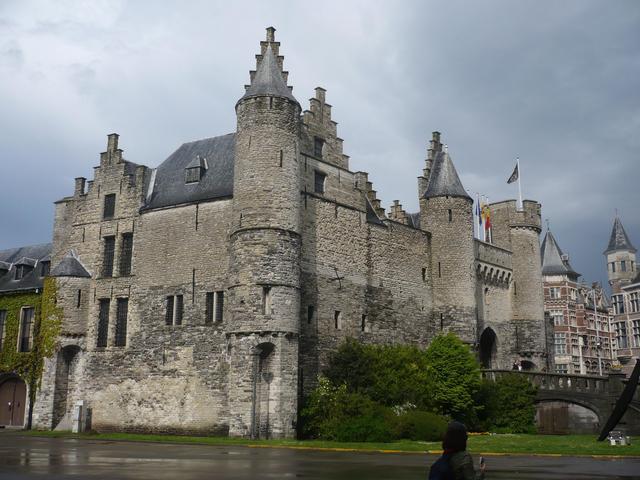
23, 457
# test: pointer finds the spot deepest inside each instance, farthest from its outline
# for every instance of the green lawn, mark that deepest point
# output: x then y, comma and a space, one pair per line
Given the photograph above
485, 444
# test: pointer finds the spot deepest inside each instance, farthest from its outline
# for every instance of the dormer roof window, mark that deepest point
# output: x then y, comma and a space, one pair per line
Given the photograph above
23, 267
194, 171
4, 268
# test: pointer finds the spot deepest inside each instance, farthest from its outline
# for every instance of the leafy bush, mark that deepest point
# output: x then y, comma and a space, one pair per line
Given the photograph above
508, 405
456, 377
388, 374
419, 425
333, 413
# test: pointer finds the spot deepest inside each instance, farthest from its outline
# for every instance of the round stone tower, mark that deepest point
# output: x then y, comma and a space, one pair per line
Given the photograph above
446, 212
264, 292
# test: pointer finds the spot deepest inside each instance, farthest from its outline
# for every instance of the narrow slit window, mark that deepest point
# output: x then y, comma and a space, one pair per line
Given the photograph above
78, 298
103, 322
179, 310
424, 274
450, 215
121, 322
168, 316
266, 300
439, 270
337, 320
311, 310
363, 323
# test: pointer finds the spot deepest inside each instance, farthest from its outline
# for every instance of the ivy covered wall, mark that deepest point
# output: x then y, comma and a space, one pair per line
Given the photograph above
46, 328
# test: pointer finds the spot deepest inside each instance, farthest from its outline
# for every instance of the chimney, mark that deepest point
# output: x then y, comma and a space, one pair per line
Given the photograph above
80, 183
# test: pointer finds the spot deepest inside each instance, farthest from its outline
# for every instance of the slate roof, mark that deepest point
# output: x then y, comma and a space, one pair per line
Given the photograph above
552, 262
70, 266
169, 187
30, 255
619, 239
268, 79
444, 179
414, 220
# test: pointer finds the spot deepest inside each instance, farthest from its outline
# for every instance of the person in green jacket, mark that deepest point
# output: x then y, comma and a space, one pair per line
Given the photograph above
454, 445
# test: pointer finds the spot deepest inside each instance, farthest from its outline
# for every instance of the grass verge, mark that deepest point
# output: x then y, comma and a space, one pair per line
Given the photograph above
478, 444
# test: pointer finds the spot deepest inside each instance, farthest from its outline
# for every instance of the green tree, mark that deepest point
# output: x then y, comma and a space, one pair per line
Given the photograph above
508, 404
388, 374
456, 377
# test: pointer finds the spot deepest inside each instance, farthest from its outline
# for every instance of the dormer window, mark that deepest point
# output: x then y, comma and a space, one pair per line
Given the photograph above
21, 271
195, 170
45, 267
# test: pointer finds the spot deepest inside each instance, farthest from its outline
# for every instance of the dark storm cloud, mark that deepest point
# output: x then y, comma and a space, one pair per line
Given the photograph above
555, 83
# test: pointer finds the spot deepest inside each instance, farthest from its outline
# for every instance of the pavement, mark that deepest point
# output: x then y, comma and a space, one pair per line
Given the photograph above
27, 457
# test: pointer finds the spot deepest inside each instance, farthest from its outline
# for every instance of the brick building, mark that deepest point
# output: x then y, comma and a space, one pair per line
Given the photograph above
205, 295
624, 279
583, 338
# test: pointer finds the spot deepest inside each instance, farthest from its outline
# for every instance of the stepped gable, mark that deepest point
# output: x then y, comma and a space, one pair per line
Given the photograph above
168, 180
553, 262
619, 239
268, 79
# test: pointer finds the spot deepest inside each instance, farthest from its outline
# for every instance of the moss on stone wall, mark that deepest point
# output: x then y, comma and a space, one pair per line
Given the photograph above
46, 327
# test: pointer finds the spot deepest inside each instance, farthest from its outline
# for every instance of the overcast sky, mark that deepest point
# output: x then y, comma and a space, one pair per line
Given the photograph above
555, 83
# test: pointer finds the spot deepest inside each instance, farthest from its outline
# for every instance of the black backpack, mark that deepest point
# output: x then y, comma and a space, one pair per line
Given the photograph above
441, 469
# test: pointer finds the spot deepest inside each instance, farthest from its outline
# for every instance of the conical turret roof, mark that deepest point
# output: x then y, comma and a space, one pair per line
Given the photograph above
70, 266
552, 258
444, 179
619, 239
268, 79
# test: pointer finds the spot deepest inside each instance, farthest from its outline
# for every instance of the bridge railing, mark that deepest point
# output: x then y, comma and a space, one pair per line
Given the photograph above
556, 381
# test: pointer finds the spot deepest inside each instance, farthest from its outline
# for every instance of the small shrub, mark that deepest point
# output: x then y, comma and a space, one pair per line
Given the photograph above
364, 428
419, 425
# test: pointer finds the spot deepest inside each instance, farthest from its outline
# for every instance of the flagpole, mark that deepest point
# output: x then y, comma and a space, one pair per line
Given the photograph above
519, 186
477, 213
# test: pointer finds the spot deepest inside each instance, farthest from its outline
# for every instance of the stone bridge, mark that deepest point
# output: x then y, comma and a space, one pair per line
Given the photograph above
577, 403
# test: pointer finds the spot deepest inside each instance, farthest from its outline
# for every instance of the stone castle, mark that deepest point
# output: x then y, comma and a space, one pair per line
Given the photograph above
205, 295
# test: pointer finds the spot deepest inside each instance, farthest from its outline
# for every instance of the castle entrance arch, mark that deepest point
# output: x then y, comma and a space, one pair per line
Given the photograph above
262, 388
13, 398
488, 348
66, 362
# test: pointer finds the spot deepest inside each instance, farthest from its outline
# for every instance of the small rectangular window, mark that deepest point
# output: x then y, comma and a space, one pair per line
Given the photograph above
193, 175
121, 322
109, 206
219, 306
623, 266
613, 267
26, 329
337, 319
179, 310
126, 251
318, 146
424, 274
208, 308
319, 181
45, 268
107, 259
78, 298
450, 215
266, 300
103, 322
3, 320
310, 313
363, 324
168, 317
